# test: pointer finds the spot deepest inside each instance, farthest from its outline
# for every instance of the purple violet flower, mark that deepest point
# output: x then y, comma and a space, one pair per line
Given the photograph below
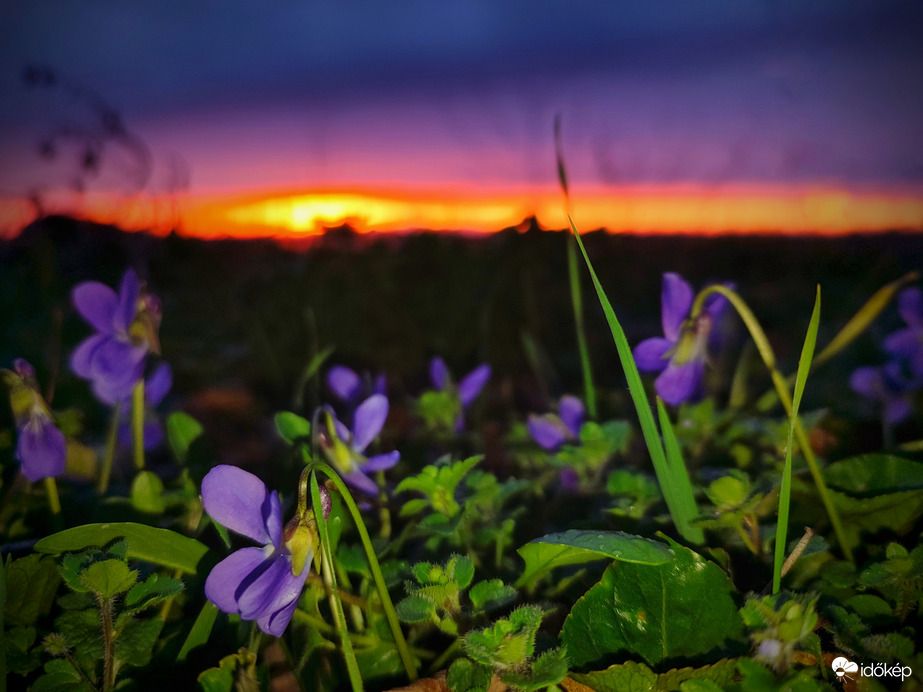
681, 354
41, 448
887, 386
156, 386
126, 326
551, 430
345, 448
468, 389
907, 343
347, 386
261, 584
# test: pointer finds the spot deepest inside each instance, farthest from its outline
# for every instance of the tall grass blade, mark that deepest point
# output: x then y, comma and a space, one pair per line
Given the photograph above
785, 491
684, 496
671, 488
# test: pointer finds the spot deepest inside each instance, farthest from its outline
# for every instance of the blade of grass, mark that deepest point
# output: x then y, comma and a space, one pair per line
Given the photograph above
785, 491
672, 488
685, 496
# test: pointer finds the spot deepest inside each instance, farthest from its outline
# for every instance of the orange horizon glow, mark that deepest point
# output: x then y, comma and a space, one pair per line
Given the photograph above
677, 209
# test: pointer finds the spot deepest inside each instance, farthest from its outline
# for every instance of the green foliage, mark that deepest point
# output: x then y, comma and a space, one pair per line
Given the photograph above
598, 443
234, 672
439, 409
779, 625
291, 427
438, 484
147, 493
467, 676
632, 676
507, 649
679, 611
577, 547
31, 583
634, 493
147, 543
182, 431
436, 598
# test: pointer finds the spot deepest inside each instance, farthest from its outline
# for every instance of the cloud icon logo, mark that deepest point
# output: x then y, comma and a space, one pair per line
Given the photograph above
843, 666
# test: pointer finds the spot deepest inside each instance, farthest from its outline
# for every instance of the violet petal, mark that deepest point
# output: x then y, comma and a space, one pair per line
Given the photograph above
344, 383
82, 357
127, 306
472, 384
675, 303
910, 306
679, 383
896, 409
261, 588
548, 431
41, 449
369, 419
158, 384
236, 498
381, 462
225, 579
651, 354
360, 481
438, 373
97, 304
570, 408
867, 382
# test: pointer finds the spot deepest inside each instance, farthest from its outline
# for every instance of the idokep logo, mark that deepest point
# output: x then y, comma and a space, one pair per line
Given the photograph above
843, 668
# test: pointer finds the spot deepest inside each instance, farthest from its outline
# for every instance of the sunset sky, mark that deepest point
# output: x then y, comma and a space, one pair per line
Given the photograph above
279, 117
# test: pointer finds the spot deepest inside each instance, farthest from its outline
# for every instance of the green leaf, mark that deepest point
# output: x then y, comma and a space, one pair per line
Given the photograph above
60, 676
577, 547
31, 583
380, 661
237, 671
633, 676
108, 578
147, 543
136, 641
351, 557
438, 483
201, 630
182, 431
674, 612
147, 493
153, 590
488, 595
874, 474
548, 669
415, 609
509, 642
292, 427
460, 569
468, 676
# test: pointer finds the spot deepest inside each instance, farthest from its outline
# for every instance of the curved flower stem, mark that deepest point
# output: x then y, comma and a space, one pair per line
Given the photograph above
51, 489
330, 580
105, 473
781, 387
137, 423
386, 603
